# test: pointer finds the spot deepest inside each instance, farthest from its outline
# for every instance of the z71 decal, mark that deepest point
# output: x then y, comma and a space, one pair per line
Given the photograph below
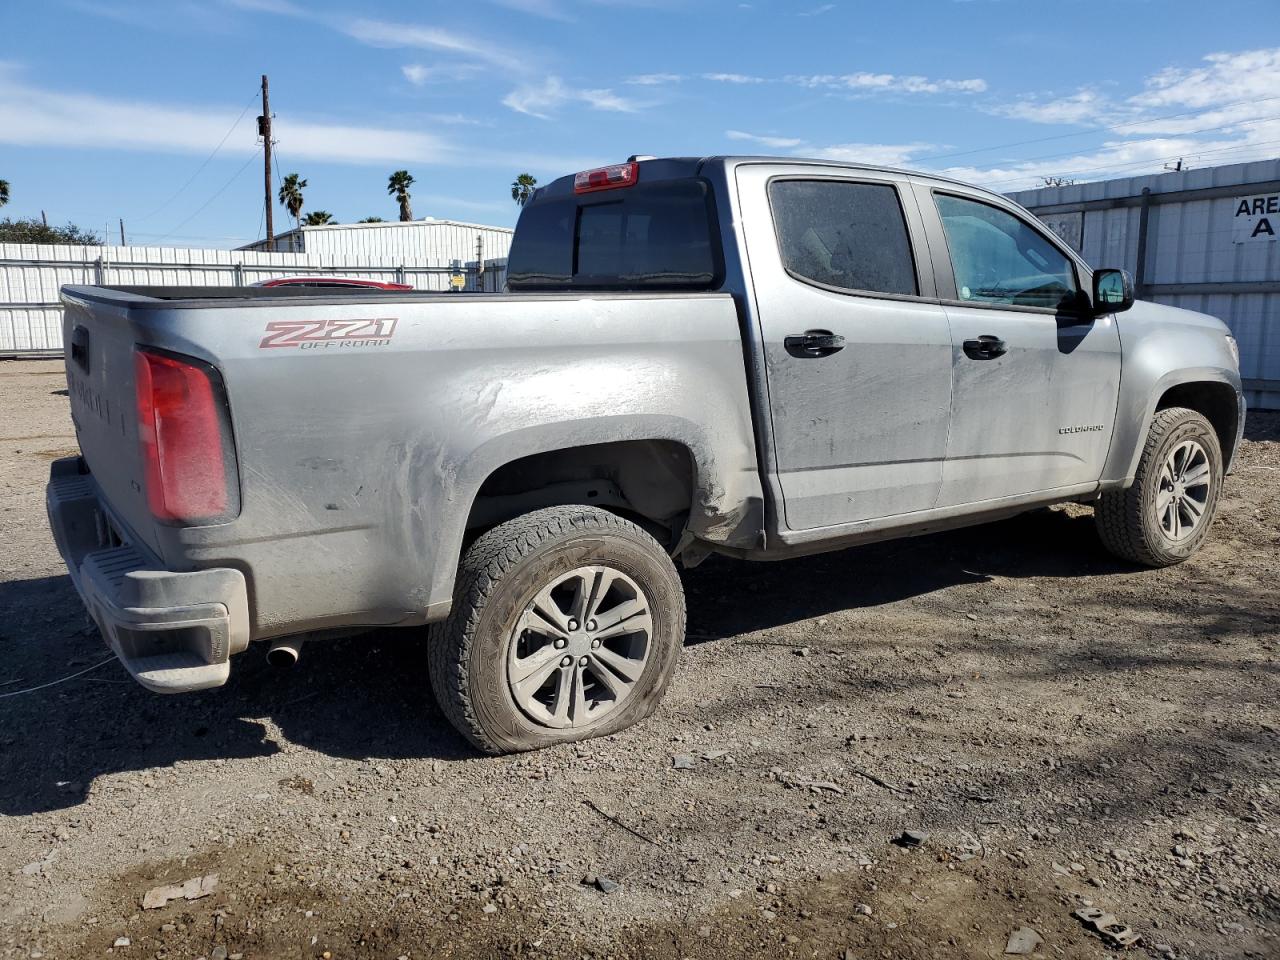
324, 334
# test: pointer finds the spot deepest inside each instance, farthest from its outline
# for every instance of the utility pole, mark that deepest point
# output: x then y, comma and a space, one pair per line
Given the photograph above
264, 131
122, 243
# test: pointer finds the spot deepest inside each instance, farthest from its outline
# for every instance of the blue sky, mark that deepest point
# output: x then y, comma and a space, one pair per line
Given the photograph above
114, 109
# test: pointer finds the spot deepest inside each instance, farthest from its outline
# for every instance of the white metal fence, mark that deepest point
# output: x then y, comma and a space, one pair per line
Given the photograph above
1204, 239
32, 274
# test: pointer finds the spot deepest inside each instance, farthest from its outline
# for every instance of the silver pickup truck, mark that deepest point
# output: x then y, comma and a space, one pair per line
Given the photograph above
754, 357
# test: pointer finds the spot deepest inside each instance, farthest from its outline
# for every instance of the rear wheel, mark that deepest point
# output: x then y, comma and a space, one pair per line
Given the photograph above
566, 624
1164, 517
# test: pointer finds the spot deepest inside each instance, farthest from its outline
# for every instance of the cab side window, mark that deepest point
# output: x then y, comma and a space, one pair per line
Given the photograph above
997, 258
850, 236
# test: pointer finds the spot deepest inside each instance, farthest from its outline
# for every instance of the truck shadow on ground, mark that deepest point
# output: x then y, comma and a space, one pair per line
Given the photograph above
369, 698
1043, 543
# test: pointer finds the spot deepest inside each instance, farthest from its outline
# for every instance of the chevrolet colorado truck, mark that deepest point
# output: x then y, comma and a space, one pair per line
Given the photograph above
753, 357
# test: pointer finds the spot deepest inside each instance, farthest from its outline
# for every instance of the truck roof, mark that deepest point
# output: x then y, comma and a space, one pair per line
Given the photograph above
670, 168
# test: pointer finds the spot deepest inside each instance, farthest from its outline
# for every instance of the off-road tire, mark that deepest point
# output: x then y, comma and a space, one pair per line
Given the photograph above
499, 573
1127, 520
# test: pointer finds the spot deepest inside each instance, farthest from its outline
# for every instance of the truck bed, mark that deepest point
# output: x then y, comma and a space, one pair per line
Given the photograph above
366, 422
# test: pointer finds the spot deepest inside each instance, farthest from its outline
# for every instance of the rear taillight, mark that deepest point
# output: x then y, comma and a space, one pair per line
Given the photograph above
606, 178
186, 440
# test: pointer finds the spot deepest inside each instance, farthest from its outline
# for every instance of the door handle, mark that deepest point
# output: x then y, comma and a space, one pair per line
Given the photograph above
985, 347
814, 343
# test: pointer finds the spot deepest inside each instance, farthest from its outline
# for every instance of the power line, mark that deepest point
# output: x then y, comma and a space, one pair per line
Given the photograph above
1188, 133
297, 222
221, 189
200, 168
1141, 163
188, 236
1097, 130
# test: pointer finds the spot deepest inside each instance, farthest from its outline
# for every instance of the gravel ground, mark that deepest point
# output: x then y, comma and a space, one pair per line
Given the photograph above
1069, 731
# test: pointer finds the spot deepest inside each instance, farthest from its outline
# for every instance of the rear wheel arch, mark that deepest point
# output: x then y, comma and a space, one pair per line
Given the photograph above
652, 482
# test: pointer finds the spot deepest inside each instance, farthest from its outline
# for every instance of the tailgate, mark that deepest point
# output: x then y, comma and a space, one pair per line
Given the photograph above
99, 344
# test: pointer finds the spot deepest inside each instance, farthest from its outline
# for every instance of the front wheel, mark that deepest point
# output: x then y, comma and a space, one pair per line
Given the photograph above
1164, 517
567, 623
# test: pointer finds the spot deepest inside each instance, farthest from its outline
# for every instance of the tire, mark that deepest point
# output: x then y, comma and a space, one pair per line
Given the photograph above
518, 588
1135, 523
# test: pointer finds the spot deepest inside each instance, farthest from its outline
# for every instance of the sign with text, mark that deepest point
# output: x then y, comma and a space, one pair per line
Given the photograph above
1256, 218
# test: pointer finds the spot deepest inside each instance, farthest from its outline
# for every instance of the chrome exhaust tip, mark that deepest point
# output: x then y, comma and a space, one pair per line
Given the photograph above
285, 653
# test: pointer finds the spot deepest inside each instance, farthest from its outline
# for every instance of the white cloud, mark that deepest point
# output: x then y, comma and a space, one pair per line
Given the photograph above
873, 154
817, 11
1227, 89
563, 10
777, 143
281, 7
886, 83
416, 73
1083, 106
1125, 158
543, 99
31, 116
654, 79
1225, 77
738, 78
1226, 110
548, 9
35, 117
394, 35
420, 75
458, 120
858, 82
382, 33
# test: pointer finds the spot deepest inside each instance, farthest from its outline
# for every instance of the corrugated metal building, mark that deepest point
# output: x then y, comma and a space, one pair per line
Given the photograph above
1200, 239
429, 242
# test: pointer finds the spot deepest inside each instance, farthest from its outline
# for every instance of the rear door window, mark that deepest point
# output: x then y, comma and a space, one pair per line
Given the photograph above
660, 235
844, 235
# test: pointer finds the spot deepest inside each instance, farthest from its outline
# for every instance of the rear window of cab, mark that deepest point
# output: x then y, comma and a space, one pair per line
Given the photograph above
659, 235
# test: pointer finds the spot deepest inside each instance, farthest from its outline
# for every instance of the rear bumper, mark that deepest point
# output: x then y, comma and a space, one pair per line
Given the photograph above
174, 632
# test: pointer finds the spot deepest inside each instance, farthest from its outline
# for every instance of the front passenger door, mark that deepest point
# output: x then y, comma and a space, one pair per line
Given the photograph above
1036, 375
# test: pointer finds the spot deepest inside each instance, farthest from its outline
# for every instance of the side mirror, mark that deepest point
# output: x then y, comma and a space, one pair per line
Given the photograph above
1112, 291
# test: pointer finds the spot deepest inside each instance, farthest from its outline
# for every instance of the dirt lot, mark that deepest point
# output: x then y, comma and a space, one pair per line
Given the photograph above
1068, 730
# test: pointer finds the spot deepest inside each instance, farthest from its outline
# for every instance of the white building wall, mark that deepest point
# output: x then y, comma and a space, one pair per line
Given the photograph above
423, 242
428, 243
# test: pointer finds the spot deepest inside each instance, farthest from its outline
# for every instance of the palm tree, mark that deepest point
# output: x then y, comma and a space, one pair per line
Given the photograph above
317, 218
4, 192
522, 188
398, 186
291, 194
371, 220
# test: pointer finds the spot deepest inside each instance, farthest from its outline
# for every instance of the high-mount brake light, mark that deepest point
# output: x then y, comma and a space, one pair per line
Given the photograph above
186, 444
606, 178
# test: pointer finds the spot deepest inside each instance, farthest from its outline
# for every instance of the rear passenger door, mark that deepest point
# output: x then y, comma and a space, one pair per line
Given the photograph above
857, 350
1036, 374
